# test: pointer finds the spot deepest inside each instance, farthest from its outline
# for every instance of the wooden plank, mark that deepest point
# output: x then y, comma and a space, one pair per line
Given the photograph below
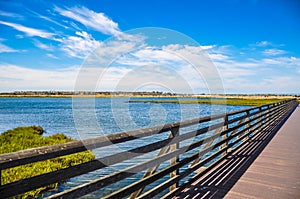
63, 174
124, 191
131, 188
75, 192
47, 152
225, 136
107, 180
151, 171
208, 142
274, 176
156, 190
273, 119
13, 159
153, 192
197, 176
22, 186
173, 161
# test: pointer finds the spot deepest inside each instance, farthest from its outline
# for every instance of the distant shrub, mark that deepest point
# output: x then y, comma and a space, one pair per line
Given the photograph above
30, 137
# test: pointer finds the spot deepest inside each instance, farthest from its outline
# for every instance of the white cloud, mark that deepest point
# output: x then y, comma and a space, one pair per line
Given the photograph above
74, 25
31, 32
269, 61
51, 56
208, 47
218, 56
43, 46
9, 14
284, 62
154, 68
7, 49
262, 43
155, 55
273, 84
261, 76
91, 19
79, 46
175, 58
49, 19
135, 65
203, 68
241, 73
147, 76
273, 52
113, 51
14, 77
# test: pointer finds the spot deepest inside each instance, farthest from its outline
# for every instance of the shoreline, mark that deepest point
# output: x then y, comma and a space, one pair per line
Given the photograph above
230, 102
158, 97
142, 95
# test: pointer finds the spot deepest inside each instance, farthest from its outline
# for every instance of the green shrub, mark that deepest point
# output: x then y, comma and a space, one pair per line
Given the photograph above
30, 137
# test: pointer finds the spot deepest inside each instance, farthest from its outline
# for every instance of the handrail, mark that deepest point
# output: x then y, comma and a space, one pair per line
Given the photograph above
46, 152
226, 134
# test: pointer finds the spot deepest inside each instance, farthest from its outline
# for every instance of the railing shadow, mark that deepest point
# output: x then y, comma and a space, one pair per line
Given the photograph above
221, 179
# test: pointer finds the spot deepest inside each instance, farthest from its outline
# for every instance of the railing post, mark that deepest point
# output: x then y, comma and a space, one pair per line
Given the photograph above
225, 136
266, 119
248, 125
173, 147
260, 119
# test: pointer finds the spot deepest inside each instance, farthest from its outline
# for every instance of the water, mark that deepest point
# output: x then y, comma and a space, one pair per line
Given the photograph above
86, 118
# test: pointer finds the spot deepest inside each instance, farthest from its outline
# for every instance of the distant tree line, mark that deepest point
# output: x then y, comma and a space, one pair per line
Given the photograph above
125, 93
69, 93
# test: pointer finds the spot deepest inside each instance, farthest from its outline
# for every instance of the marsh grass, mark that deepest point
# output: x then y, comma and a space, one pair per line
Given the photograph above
30, 137
232, 102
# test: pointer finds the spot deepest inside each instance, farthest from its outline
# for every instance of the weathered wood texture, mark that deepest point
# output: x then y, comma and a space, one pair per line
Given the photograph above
265, 167
228, 134
275, 173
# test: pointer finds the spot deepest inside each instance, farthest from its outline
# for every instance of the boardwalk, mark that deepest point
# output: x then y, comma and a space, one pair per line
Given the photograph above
275, 173
234, 158
268, 167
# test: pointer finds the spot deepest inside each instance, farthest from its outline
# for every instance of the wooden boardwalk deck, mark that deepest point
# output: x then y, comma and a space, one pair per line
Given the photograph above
267, 167
247, 162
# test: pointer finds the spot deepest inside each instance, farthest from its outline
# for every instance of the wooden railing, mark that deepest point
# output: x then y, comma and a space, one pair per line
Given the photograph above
191, 148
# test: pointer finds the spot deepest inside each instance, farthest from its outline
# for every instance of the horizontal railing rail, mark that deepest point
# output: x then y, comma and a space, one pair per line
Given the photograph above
187, 152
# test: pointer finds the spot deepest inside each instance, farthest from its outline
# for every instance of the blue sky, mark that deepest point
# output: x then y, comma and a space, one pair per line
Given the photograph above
253, 44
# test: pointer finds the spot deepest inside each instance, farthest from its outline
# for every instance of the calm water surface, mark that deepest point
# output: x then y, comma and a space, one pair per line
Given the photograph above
85, 118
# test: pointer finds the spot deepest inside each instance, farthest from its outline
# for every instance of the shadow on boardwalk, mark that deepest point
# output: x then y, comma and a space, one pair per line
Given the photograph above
218, 182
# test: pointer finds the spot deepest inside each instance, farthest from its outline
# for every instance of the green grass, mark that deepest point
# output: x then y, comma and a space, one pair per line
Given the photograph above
232, 102
30, 137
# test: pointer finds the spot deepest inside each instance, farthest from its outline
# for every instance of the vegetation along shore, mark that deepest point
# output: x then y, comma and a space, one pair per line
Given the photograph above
146, 94
232, 102
31, 137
